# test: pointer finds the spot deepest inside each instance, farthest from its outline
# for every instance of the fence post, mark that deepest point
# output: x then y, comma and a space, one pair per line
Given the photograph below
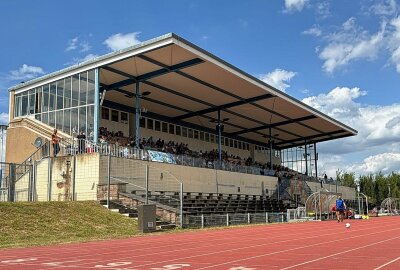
282, 217
266, 217
49, 176
147, 183
248, 218
30, 183
227, 219
11, 183
34, 196
109, 179
74, 178
202, 221
181, 206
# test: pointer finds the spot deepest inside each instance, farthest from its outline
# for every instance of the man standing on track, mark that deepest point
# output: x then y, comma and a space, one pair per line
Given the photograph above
340, 207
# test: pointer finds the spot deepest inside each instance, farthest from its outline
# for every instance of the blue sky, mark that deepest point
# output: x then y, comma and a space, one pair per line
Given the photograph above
342, 57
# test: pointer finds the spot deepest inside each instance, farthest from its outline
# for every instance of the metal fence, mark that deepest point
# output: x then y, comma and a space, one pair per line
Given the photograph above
229, 219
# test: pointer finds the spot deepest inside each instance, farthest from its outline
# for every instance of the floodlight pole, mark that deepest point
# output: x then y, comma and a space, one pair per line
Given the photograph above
219, 140
137, 115
96, 106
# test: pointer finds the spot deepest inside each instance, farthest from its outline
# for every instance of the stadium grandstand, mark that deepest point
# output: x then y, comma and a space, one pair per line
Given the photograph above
165, 122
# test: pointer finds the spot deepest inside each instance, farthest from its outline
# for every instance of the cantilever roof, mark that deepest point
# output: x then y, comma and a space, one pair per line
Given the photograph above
189, 85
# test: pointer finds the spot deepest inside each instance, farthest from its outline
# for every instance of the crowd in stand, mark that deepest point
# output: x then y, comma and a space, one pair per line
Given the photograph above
210, 158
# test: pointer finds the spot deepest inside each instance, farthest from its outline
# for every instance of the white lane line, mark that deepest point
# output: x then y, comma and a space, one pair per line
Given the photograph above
339, 253
383, 265
258, 256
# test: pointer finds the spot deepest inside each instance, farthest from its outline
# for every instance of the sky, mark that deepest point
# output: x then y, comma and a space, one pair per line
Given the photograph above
341, 57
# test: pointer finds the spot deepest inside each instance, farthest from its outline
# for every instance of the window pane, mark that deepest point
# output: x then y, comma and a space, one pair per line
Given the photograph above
45, 101
83, 88
38, 107
235, 144
67, 121
212, 137
67, 93
124, 117
164, 127
184, 132
142, 122
59, 120
114, 116
90, 122
75, 90
17, 106
24, 106
105, 113
171, 129
196, 134
52, 119
178, 130
91, 87
82, 119
45, 118
52, 101
32, 98
149, 123
74, 121
190, 133
60, 94
38, 117
202, 135
157, 125
226, 142
207, 137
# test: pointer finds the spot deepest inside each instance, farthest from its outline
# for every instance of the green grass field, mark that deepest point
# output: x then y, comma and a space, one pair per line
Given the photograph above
43, 223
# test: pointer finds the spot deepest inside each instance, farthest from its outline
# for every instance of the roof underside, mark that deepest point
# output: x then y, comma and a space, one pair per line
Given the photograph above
189, 85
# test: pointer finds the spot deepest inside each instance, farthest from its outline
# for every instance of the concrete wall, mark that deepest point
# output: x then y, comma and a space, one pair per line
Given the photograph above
21, 188
19, 143
348, 193
164, 176
42, 180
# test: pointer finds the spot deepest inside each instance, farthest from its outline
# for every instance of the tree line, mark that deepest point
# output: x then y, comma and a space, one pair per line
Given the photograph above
376, 186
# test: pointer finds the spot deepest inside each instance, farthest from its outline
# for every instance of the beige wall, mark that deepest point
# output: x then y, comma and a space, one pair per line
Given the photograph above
348, 193
19, 145
164, 176
42, 174
21, 188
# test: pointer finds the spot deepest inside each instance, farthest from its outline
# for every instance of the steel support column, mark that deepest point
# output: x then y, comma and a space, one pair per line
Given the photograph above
96, 106
306, 156
137, 115
219, 140
270, 148
316, 160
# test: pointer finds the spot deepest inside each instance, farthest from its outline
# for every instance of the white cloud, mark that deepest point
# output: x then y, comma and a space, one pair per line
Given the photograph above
322, 9
394, 42
85, 46
378, 131
25, 73
120, 41
315, 30
77, 60
295, 5
386, 7
3, 118
279, 78
351, 43
385, 163
72, 44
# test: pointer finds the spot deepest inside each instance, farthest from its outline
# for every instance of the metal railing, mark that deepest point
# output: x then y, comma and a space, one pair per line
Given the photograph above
230, 219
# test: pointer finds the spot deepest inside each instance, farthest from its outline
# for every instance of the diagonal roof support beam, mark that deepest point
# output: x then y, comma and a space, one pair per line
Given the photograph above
223, 107
275, 124
132, 79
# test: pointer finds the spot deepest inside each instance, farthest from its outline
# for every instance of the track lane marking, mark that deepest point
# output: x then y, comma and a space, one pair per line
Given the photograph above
383, 265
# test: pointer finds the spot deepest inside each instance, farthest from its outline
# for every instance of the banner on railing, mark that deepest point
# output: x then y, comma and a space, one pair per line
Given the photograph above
161, 157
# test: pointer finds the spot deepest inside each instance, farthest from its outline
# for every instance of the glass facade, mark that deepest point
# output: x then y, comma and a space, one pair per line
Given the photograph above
67, 104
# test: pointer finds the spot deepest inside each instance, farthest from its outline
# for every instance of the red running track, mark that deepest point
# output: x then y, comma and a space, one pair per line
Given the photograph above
367, 244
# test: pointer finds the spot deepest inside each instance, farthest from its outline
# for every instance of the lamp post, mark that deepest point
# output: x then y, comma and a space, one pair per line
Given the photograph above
357, 182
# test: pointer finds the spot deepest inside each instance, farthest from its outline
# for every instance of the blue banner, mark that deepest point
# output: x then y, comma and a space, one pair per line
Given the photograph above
161, 157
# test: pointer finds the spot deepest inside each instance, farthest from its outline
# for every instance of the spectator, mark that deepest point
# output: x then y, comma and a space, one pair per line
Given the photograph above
81, 141
55, 140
